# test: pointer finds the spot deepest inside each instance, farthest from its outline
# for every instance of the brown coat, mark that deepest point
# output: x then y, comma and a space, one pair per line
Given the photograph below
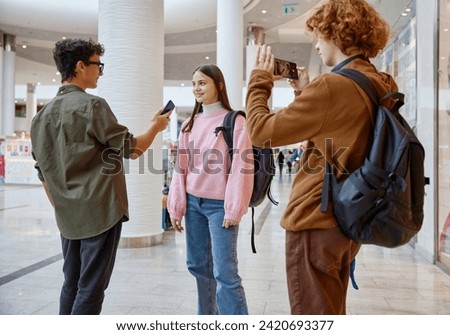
331, 112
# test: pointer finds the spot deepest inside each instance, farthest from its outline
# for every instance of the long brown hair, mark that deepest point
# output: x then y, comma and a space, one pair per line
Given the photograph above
213, 72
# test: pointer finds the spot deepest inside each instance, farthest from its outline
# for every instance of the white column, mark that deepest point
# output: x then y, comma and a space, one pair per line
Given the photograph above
173, 125
2, 131
31, 106
8, 82
230, 48
250, 62
133, 35
255, 37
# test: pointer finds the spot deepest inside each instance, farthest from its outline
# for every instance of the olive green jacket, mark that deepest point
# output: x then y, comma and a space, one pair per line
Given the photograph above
79, 148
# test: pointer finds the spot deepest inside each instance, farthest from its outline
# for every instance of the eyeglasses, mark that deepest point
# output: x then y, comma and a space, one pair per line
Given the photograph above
101, 66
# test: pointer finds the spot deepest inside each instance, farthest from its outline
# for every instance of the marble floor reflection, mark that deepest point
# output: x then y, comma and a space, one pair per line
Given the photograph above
154, 280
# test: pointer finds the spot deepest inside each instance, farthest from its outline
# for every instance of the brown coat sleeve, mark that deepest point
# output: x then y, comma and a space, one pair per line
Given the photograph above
301, 119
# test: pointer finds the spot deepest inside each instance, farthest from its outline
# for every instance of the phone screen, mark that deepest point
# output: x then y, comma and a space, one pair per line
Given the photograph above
285, 69
168, 107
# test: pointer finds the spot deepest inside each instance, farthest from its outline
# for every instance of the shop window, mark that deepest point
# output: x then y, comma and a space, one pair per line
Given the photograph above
444, 133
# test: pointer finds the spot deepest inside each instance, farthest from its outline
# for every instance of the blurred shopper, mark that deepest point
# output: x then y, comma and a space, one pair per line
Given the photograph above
297, 154
79, 147
334, 114
212, 194
280, 160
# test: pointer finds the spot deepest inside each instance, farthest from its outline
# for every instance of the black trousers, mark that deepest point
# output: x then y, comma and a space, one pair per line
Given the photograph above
88, 266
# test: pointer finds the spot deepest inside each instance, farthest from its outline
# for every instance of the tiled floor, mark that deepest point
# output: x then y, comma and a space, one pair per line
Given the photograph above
155, 280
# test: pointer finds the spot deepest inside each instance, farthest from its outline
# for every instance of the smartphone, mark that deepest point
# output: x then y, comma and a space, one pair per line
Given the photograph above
285, 69
168, 107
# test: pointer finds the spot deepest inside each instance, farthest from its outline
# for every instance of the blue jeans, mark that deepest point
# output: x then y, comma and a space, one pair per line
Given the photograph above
88, 266
212, 258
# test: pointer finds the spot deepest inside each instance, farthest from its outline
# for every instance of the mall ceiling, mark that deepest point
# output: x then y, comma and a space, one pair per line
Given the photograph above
190, 35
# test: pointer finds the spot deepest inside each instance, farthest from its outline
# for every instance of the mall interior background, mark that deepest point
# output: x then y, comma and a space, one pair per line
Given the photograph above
418, 56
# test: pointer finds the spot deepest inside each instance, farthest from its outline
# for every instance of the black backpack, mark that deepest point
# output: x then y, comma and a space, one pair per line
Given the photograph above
382, 201
264, 167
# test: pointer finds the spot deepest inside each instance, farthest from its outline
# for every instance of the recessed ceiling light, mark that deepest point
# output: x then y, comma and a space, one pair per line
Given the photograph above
264, 11
24, 46
207, 57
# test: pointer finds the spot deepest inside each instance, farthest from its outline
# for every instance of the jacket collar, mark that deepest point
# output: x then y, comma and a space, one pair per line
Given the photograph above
348, 60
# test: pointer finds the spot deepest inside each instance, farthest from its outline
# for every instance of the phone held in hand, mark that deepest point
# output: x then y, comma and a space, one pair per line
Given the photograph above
285, 69
168, 107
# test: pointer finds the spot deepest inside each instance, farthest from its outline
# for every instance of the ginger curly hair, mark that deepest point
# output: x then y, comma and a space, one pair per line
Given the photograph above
350, 24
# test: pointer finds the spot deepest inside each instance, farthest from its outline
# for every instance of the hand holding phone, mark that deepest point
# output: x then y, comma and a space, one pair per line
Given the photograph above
285, 69
170, 106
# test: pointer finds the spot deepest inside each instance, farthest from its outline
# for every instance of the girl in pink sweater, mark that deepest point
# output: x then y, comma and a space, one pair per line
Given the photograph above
212, 194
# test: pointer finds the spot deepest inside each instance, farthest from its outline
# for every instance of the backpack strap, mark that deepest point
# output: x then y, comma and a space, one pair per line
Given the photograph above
227, 129
368, 87
270, 196
352, 274
362, 81
326, 187
400, 97
252, 241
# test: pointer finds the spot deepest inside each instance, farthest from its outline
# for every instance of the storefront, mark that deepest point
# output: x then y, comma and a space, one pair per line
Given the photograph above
16, 162
443, 131
418, 57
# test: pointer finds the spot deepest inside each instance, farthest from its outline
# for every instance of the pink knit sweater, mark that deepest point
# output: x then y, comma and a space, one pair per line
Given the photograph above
202, 167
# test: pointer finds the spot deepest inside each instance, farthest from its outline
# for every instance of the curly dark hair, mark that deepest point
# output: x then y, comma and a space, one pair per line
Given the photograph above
213, 72
350, 24
68, 52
